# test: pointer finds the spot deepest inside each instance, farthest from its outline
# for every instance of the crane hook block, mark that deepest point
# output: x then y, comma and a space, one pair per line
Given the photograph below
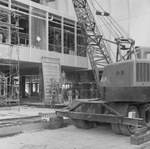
102, 13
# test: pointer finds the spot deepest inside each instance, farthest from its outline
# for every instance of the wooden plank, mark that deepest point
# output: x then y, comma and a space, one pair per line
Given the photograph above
34, 126
8, 130
11, 130
31, 146
141, 131
27, 118
137, 140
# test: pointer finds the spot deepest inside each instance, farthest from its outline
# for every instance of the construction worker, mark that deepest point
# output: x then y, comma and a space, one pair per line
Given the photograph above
53, 99
76, 94
69, 94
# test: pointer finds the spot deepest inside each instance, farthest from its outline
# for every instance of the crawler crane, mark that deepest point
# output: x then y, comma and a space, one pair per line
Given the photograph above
125, 83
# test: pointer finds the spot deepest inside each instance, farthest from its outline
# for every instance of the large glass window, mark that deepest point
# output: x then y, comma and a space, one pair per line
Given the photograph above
69, 44
38, 29
54, 33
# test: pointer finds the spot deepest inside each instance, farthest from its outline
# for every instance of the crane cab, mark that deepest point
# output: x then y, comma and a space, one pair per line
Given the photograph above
127, 80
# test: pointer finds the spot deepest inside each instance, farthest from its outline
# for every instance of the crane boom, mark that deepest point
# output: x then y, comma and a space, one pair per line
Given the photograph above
98, 49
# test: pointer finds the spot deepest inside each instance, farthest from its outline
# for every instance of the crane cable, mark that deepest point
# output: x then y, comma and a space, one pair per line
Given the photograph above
110, 22
107, 44
115, 24
106, 23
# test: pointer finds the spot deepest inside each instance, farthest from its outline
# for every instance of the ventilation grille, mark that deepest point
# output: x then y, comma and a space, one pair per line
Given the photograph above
142, 72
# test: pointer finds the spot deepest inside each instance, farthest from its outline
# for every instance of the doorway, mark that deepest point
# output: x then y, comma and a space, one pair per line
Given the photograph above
31, 89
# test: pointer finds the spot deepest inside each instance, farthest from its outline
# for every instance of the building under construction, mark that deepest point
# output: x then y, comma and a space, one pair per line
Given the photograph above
42, 44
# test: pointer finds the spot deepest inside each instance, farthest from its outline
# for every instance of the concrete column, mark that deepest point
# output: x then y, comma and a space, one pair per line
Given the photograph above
75, 37
30, 32
75, 41
62, 35
9, 21
47, 33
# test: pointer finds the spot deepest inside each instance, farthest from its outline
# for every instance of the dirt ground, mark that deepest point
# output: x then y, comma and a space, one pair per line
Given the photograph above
100, 137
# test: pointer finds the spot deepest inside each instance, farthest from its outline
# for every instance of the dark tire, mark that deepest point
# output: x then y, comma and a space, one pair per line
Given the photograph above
75, 123
86, 124
128, 130
144, 112
124, 130
116, 128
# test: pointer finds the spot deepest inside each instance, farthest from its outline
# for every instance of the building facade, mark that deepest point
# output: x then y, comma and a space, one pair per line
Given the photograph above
33, 31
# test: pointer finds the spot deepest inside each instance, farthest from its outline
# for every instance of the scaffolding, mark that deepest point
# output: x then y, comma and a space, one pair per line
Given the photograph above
10, 76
